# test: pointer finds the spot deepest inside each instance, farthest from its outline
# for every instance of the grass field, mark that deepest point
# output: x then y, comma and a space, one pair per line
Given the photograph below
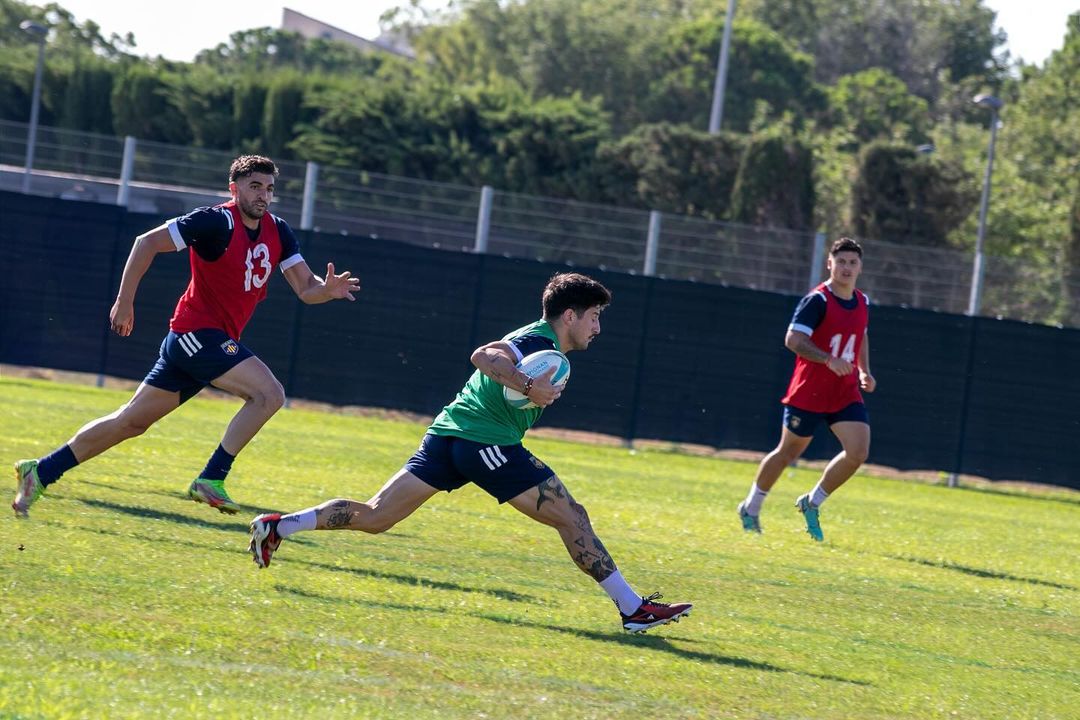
122, 599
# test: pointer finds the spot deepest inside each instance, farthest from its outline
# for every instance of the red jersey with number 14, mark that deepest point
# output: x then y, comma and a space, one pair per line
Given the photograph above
816, 388
223, 294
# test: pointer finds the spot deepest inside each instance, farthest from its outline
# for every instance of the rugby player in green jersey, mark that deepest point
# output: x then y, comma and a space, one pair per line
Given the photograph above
477, 438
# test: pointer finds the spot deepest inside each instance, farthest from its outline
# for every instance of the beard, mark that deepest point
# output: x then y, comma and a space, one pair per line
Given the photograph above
250, 209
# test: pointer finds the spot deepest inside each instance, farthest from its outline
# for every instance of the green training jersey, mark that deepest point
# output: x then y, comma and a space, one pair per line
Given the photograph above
480, 412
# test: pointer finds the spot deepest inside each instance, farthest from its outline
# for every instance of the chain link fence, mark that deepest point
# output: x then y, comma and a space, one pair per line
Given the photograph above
169, 180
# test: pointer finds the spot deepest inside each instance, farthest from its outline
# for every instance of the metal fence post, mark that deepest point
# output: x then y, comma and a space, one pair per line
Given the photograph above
311, 184
483, 219
127, 170
652, 243
816, 259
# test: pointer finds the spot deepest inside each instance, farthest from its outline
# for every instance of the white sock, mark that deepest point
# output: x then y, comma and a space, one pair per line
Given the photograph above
818, 496
295, 522
620, 591
754, 499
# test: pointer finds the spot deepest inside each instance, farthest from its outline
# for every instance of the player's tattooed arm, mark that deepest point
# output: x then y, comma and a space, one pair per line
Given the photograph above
495, 361
335, 514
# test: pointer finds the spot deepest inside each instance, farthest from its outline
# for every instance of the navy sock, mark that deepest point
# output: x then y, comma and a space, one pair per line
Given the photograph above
218, 466
55, 464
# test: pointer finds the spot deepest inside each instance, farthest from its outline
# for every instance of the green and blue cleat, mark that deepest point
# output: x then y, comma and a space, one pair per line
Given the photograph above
810, 514
212, 492
28, 487
750, 523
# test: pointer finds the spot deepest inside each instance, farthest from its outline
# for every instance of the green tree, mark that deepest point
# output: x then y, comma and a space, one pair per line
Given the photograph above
672, 168
141, 106
769, 80
922, 42
874, 104
902, 196
87, 106
775, 184
284, 99
248, 106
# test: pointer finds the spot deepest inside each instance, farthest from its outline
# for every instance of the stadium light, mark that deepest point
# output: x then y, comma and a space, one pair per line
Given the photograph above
975, 299
716, 116
38, 32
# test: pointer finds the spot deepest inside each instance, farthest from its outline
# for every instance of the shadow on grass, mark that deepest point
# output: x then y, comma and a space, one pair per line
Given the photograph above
654, 642
308, 595
420, 582
978, 572
152, 514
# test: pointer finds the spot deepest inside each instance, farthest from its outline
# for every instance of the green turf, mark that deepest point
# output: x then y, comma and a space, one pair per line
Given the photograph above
123, 599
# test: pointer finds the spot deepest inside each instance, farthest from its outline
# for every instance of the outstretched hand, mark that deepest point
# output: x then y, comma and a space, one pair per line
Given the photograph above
340, 286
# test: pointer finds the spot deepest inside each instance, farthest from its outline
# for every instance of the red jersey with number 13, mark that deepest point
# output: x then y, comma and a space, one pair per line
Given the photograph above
223, 294
816, 388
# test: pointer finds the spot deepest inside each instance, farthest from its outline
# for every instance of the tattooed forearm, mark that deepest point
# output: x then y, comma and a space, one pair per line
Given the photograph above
550, 489
335, 515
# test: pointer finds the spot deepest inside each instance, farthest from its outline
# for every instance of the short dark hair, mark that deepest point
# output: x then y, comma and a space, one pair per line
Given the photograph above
247, 164
574, 291
846, 244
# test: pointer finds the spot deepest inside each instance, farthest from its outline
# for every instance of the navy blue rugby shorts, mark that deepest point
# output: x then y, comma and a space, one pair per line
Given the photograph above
803, 422
190, 361
504, 471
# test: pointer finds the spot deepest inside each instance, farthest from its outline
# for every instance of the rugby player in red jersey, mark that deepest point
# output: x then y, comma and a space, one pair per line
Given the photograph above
234, 249
828, 336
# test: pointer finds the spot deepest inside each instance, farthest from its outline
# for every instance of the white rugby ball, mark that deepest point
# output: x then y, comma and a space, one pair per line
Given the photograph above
536, 365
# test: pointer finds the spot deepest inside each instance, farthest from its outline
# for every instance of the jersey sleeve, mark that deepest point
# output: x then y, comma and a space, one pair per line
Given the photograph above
809, 314
528, 344
290, 246
207, 230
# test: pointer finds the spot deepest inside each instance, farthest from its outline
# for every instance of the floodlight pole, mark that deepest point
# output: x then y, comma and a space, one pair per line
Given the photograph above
716, 116
977, 270
38, 32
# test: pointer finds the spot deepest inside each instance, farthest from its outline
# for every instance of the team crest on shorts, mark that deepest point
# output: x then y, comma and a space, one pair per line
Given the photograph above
536, 461
793, 421
230, 347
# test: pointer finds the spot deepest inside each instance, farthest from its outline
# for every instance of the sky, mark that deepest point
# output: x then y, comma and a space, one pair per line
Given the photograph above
178, 31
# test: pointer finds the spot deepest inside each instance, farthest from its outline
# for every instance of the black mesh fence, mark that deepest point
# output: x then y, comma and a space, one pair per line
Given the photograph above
676, 360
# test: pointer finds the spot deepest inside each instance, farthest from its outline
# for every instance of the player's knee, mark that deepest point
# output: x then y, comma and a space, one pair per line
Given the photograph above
857, 454
270, 397
788, 453
132, 425
374, 519
572, 515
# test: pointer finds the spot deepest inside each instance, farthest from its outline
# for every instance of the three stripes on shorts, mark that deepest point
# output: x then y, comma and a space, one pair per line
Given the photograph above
492, 457
190, 343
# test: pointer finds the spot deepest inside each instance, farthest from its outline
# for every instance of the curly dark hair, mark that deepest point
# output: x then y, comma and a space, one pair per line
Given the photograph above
846, 244
247, 164
575, 291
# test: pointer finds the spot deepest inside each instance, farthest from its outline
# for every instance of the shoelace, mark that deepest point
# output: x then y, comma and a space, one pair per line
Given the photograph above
652, 599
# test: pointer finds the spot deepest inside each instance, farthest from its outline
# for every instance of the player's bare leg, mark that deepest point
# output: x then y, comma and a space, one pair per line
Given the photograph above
772, 466
551, 504
395, 501
855, 439
148, 405
263, 396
